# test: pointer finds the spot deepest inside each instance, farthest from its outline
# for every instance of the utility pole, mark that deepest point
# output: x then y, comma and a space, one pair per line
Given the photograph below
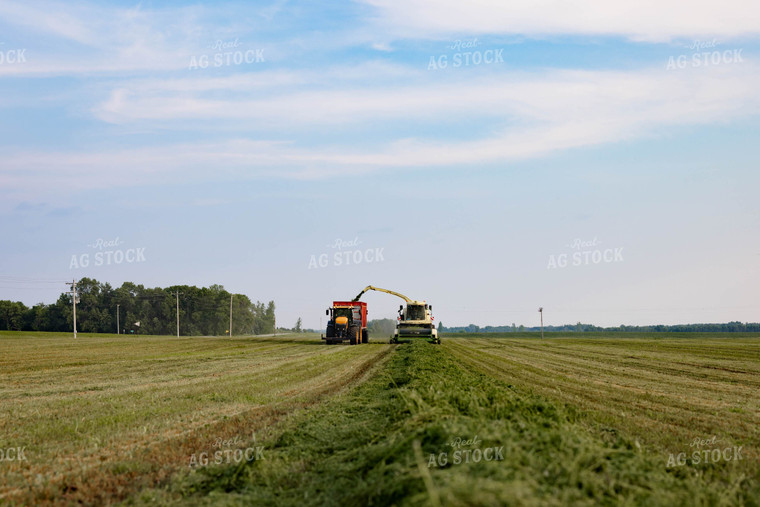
177, 294
541, 311
74, 301
230, 315
117, 318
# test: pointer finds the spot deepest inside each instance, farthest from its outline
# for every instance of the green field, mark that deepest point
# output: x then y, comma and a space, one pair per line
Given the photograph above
484, 420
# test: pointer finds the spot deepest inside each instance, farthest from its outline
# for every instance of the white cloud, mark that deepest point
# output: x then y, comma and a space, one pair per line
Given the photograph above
537, 114
618, 102
49, 18
90, 39
652, 20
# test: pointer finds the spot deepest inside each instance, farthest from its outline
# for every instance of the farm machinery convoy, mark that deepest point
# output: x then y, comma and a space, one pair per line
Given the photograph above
348, 320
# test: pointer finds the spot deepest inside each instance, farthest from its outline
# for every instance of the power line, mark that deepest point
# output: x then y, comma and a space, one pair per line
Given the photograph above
15, 287
27, 283
16, 278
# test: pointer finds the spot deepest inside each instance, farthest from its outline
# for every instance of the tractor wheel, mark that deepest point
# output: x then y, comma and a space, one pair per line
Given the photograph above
365, 336
354, 335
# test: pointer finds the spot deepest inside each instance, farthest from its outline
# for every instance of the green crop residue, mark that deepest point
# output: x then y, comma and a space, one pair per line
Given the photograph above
426, 429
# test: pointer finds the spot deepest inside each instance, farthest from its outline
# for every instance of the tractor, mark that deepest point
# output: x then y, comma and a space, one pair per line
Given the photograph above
348, 321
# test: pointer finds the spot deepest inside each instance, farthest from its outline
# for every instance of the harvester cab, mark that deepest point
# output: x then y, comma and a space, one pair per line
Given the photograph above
348, 321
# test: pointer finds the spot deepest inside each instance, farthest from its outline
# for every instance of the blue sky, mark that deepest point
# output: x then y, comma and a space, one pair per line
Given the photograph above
623, 136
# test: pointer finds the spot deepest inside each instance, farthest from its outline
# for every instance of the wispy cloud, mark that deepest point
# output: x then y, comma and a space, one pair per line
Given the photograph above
86, 39
532, 115
651, 20
555, 96
260, 121
49, 19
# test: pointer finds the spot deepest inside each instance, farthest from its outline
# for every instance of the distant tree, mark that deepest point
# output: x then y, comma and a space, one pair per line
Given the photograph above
41, 317
12, 315
298, 329
270, 317
243, 314
514, 328
522, 328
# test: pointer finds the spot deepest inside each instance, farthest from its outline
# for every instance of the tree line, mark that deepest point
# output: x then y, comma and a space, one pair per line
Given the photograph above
729, 327
203, 311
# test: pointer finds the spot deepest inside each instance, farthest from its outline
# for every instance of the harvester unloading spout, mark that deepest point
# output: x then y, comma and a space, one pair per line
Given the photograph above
370, 287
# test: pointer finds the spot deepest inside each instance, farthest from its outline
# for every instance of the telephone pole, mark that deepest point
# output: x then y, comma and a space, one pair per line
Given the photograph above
74, 302
541, 311
177, 294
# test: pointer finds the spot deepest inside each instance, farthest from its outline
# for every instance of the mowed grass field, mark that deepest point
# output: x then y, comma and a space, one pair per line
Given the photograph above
663, 392
484, 420
100, 416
